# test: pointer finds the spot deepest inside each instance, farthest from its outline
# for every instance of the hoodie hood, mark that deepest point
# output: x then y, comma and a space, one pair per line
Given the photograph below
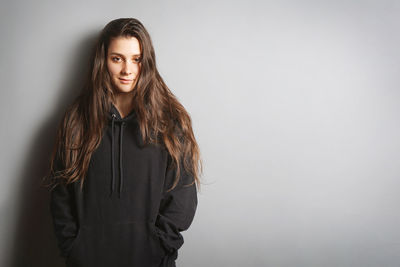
116, 118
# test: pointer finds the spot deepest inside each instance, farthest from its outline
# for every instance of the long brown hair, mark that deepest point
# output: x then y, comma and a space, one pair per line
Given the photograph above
161, 117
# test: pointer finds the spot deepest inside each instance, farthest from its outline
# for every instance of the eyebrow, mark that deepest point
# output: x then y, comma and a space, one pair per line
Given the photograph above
118, 54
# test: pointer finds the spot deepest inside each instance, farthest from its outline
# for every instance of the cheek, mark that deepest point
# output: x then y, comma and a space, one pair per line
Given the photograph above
112, 69
139, 67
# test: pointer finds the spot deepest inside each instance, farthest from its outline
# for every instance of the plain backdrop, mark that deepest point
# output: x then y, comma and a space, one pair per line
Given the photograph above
295, 105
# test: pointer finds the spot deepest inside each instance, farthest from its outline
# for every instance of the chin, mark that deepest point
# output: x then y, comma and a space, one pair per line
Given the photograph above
124, 90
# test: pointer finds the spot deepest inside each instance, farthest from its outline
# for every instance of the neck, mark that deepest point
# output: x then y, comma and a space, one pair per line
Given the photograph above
124, 103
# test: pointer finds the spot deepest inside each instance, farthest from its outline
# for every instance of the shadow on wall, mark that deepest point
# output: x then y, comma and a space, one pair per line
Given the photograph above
34, 242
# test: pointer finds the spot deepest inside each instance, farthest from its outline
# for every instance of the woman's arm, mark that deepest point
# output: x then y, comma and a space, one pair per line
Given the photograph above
63, 214
177, 209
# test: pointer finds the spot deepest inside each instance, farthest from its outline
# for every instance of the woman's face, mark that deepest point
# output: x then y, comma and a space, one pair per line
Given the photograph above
123, 63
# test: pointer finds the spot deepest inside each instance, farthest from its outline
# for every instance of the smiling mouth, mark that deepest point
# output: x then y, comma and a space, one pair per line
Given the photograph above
123, 81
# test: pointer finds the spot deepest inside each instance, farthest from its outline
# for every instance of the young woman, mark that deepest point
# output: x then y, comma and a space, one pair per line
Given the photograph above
126, 164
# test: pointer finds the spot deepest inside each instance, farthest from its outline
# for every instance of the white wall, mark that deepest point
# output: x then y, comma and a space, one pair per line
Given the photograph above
295, 106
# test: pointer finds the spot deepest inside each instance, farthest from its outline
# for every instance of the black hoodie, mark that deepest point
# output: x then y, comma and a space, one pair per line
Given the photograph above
123, 217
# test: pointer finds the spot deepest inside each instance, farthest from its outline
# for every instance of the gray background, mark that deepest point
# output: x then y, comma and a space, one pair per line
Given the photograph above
294, 104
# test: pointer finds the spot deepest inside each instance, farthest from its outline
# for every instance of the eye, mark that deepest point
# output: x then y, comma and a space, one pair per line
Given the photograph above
138, 59
115, 58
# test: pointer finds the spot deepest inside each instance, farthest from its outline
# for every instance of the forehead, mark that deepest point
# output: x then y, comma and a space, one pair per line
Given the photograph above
127, 46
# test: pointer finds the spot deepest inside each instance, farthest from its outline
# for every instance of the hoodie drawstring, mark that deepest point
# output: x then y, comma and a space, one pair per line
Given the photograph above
120, 157
112, 153
121, 178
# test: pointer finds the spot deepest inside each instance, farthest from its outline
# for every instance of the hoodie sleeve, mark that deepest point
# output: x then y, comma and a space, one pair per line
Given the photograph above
177, 209
63, 214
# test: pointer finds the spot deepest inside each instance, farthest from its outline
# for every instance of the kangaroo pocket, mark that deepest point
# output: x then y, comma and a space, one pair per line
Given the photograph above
118, 244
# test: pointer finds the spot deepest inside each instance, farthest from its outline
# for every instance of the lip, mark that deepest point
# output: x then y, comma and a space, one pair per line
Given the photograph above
125, 80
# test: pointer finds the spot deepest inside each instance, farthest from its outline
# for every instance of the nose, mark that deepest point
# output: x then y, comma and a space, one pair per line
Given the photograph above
127, 68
